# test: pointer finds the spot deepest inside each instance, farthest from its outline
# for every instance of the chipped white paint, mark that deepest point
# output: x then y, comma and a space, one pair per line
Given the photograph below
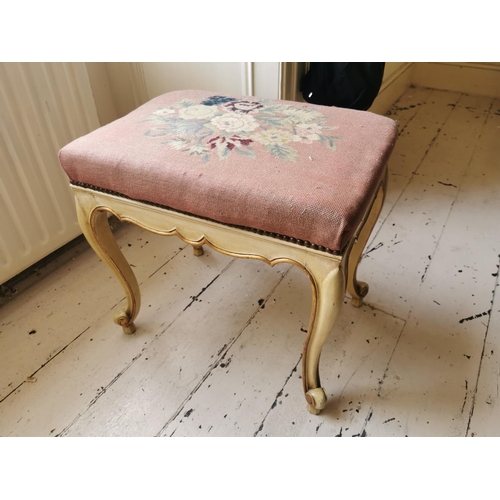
82, 289
482, 188
243, 387
187, 351
423, 124
358, 351
424, 363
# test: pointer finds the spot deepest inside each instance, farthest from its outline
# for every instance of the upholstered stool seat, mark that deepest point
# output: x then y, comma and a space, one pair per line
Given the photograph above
275, 180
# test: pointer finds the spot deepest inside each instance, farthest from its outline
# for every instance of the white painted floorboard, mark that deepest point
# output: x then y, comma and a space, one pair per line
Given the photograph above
217, 351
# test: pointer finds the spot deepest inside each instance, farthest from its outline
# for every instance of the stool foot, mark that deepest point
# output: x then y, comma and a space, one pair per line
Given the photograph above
316, 400
198, 251
356, 302
362, 290
122, 318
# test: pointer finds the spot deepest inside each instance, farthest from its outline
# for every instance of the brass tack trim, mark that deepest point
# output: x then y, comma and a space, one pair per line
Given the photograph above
278, 236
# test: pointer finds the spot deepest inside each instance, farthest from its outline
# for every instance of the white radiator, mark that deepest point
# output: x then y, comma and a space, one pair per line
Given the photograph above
43, 106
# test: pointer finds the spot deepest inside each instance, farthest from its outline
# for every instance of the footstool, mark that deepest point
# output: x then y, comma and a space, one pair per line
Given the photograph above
263, 179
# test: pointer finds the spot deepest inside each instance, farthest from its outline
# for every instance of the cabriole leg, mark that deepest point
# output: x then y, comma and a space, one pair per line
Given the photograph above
94, 224
358, 289
328, 295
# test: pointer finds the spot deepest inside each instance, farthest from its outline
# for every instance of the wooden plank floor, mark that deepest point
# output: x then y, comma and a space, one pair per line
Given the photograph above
218, 346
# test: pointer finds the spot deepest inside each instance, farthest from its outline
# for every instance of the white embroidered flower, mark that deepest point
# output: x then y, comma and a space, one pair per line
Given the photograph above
298, 115
198, 112
307, 133
234, 122
165, 111
273, 136
198, 149
308, 128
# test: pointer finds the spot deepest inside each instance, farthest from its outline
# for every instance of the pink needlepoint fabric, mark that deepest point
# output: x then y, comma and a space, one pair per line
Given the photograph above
296, 169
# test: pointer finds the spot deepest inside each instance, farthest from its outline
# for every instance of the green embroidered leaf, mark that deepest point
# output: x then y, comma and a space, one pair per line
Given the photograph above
163, 118
197, 150
273, 121
223, 153
305, 115
288, 124
281, 151
327, 140
245, 152
273, 109
157, 132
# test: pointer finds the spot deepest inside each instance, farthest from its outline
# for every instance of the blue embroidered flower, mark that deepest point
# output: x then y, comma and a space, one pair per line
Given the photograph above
215, 100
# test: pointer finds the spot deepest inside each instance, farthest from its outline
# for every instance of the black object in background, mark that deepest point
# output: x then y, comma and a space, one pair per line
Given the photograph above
346, 85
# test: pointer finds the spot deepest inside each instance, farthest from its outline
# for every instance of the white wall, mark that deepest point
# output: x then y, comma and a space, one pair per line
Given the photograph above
239, 78
225, 77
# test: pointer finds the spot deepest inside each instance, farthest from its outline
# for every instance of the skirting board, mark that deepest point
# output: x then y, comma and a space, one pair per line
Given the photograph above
469, 78
393, 88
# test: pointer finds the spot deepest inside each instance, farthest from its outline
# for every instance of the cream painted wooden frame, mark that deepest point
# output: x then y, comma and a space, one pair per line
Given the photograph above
330, 275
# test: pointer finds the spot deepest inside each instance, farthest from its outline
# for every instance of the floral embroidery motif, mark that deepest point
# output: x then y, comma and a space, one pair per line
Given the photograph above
234, 122
225, 125
242, 107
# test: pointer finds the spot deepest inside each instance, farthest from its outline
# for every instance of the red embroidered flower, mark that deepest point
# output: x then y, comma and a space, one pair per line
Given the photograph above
243, 107
243, 142
214, 140
230, 143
